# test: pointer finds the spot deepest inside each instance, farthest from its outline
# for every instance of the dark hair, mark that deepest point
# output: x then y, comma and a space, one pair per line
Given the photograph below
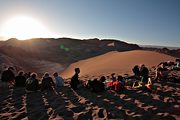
95, 80
33, 75
103, 78
76, 69
112, 74
55, 74
46, 74
20, 73
177, 60
10, 68
120, 78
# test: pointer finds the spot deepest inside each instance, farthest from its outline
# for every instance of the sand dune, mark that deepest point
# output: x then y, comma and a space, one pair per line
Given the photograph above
118, 62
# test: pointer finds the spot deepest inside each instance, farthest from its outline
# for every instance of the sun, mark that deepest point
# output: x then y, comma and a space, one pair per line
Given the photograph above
24, 27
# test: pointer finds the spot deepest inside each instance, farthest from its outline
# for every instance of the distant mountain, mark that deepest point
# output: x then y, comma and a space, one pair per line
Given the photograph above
175, 52
34, 54
159, 47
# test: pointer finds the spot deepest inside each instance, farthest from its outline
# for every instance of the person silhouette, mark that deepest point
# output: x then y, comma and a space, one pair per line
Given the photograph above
75, 79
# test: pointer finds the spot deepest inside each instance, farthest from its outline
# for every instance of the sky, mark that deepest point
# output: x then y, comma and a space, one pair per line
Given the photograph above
145, 22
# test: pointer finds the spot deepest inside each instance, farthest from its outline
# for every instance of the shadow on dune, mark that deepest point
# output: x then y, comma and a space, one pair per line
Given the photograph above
82, 104
57, 105
13, 104
36, 107
5, 97
132, 105
155, 105
71, 97
18, 102
112, 106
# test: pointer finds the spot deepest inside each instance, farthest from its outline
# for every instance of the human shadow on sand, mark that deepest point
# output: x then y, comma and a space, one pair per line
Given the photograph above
35, 106
57, 105
159, 105
112, 105
123, 105
13, 105
71, 98
5, 102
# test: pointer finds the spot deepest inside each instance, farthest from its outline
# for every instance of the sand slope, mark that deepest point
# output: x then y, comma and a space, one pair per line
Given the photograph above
118, 62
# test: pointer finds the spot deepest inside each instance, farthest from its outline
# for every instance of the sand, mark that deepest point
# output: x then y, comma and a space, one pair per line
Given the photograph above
117, 62
66, 104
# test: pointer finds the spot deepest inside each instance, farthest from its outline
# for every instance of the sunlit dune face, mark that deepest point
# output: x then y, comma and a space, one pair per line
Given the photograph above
23, 27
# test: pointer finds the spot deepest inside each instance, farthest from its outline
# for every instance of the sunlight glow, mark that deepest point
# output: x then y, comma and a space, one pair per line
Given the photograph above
23, 27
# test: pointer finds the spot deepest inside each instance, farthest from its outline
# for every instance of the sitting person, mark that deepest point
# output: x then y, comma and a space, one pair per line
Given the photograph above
110, 85
119, 84
8, 76
136, 71
152, 88
113, 78
103, 79
47, 83
58, 80
20, 80
121, 80
96, 85
116, 86
144, 73
32, 83
177, 67
75, 79
161, 72
101, 84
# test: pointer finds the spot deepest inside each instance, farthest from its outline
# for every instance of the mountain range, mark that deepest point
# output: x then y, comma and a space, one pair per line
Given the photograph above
39, 53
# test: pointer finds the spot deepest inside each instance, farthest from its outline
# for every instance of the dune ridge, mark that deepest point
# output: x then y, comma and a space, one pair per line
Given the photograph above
118, 62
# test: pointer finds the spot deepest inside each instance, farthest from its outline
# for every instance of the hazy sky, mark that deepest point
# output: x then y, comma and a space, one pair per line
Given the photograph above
150, 22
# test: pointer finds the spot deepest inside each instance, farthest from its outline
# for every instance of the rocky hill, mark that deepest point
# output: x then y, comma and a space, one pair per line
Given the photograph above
29, 54
171, 52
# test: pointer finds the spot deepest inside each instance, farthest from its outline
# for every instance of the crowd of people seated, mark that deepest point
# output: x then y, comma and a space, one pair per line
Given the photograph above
30, 81
117, 83
141, 73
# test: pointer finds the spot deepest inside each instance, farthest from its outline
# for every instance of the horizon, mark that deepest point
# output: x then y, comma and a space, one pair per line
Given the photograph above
141, 45
138, 22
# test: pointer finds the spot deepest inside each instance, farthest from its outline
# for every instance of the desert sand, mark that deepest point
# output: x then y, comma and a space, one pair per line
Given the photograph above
116, 62
66, 104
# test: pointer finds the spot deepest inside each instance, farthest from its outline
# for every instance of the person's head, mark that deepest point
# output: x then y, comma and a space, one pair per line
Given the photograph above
77, 70
33, 75
103, 78
142, 66
11, 68
55, 74
112, 75
136, 66
95, 80
46, 75
21, 73
177, 60
120, 78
